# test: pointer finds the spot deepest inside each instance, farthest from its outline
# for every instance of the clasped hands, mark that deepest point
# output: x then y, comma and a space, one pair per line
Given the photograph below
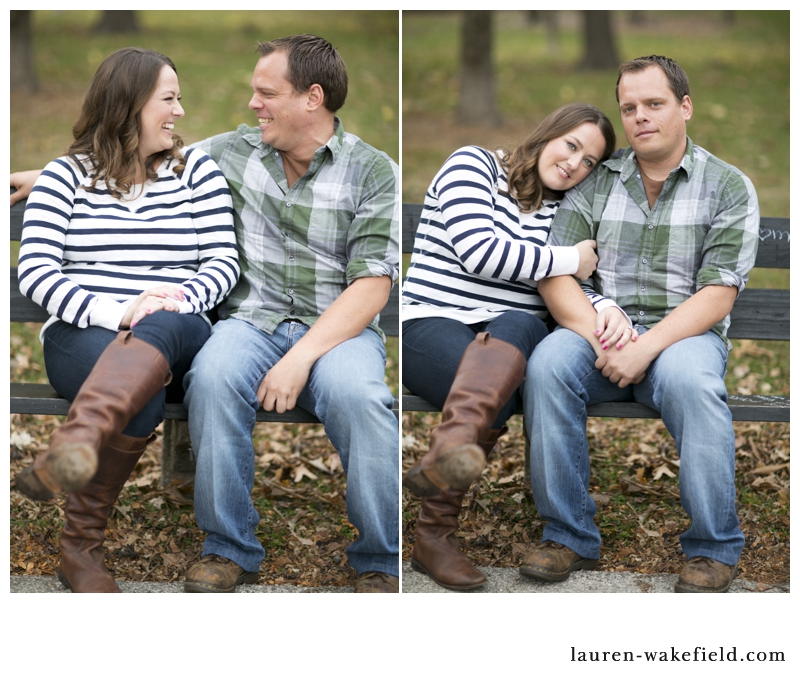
621, 363
162, 297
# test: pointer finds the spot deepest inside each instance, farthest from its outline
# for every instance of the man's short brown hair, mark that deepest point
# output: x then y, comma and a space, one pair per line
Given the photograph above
312, 60
678, 80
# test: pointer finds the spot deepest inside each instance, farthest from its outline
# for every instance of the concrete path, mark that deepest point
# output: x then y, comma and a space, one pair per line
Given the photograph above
500, 580
509, 580
52, 584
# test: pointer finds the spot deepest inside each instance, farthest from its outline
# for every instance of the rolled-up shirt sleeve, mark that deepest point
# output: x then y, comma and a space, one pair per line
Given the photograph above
731, 244
373, 236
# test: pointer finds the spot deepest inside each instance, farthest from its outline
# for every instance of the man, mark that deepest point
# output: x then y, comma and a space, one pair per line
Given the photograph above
676, 232
316, 214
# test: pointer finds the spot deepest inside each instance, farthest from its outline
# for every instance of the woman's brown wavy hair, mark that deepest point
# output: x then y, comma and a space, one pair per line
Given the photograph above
109, 129
521, 165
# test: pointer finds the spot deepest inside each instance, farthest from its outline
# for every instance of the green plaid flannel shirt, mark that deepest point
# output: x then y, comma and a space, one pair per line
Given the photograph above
300, 247
702, 230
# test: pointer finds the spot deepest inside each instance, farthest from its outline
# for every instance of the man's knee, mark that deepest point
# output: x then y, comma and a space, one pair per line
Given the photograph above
554, 355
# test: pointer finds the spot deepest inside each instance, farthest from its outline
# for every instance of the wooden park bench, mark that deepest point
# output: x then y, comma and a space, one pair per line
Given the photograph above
759, 314
177, 456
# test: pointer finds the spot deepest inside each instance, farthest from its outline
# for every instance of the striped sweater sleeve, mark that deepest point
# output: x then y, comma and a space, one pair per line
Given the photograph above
466, 188
212, 215
44, 233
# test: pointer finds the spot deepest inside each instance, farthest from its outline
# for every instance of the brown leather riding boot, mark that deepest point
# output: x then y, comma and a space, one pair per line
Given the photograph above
437, 552
82, 568
489, 373
125, 377
491, 438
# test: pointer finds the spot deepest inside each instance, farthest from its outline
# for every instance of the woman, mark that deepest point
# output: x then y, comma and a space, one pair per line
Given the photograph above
127, 241
471, 312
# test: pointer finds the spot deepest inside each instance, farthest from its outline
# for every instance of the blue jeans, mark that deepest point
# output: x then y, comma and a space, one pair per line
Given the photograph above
433, 347
70, 354
345, 390
686, 384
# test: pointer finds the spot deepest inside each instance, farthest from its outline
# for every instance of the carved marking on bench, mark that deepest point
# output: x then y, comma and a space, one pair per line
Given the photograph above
764, 233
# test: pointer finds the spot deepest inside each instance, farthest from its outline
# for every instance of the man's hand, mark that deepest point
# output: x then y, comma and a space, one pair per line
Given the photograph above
626, 366
283, 384
23, 181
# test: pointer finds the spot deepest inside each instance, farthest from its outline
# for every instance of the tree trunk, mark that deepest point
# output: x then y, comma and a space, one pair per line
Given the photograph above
117, 21
23, 74
601, 52
476, 104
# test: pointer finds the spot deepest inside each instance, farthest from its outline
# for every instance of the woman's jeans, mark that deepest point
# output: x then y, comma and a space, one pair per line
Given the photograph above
70, 354
345, 390
686, 385
433, 347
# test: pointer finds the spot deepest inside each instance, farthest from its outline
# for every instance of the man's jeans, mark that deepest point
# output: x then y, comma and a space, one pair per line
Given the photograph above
345, 390
685, 383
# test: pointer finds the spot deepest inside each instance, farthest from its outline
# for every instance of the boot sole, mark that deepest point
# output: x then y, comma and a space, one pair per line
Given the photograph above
457, 468
68, 468
245, 578
419, 568
559, 576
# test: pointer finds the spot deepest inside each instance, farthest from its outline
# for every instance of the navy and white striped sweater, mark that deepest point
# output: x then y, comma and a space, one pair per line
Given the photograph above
475, 254
85, 256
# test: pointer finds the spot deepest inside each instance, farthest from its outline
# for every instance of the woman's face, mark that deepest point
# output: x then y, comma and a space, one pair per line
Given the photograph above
159, 114
567, 160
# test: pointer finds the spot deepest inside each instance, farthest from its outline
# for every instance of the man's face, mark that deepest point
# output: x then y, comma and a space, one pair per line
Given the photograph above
653, 119
281, 111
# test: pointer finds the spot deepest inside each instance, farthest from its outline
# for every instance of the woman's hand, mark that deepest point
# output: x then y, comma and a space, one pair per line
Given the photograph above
613, 328
163, 297
23, 181
587, 259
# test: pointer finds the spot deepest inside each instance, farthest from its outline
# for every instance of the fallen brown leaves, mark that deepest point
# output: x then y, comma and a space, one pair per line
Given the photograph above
152, 534
635, 486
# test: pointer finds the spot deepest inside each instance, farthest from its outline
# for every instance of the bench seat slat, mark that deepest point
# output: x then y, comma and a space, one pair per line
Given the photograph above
743, 408
40, 398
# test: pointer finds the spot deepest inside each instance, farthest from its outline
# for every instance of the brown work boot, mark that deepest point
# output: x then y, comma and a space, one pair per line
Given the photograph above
437, 552
490, 372
124, 379
553, 562
82, 568
373, 581
214, 573
702, 574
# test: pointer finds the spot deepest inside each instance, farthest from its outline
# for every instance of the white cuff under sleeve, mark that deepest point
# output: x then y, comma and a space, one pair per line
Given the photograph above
107, 313
565, 261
